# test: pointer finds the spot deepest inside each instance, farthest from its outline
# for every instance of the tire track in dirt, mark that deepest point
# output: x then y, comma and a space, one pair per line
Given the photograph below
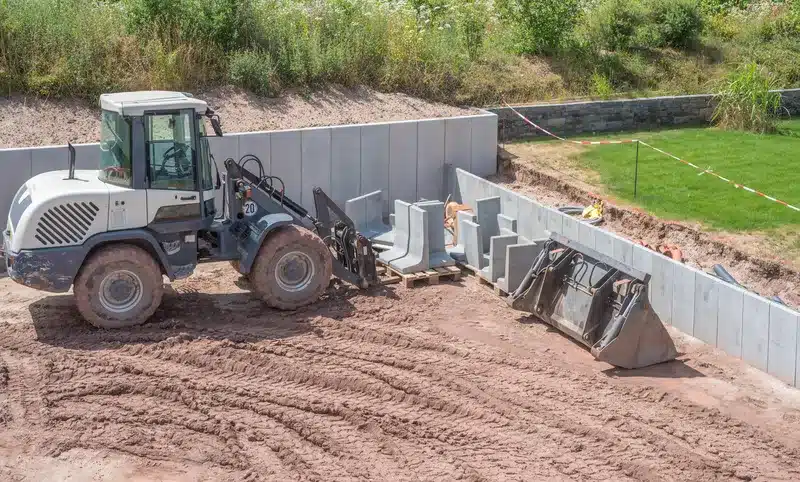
356, 387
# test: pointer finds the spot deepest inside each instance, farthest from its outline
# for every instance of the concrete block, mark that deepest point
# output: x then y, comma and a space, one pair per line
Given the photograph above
683, 299
437, 255
457, 252
487, 210
506, 224
604, 242
345, 163
366, 212
570, 228
468, 187
403, 161
497, 255
509, 202
555, 220
661, 287
316, 163
484, 145
401, 233
87, 156
519, 258
528, 219
755, 330
45, 159
286, 157
729, 319
642, 258
587, 234
457, 137
430, 159
706, 308
417, 258
257, 144
470, 233
16, 167
375, 160
782, 352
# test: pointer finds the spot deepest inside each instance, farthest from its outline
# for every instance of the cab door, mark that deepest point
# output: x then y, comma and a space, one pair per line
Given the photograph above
172, 194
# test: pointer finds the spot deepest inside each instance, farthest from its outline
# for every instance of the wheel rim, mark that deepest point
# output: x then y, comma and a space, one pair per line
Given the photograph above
120, 291
294, 271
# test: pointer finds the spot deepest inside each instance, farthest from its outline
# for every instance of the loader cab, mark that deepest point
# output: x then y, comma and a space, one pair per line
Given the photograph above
156, 144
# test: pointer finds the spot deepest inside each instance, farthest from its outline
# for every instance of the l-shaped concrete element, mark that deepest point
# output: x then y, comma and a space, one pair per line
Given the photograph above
761, 332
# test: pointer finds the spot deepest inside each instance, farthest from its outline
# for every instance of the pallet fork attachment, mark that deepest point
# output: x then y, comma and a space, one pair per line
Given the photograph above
597, 301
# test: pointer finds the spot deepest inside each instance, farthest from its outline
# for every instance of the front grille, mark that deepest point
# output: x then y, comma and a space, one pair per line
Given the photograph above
67, 223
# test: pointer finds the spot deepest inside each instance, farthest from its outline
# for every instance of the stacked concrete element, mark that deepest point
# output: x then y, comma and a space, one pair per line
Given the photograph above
418, 237
761, 332
366, 212
575, 118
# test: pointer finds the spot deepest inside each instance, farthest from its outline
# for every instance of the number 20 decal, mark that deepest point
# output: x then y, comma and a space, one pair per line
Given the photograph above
250, 208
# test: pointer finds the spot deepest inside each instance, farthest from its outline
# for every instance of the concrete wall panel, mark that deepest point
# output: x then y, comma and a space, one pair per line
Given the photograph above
603, 242
256, 144
484, 145
586, 235
622, 249
375, 160
44, 159
755, 330
225, 147
642, 258
87, 156
782, 354
706, 307
661, 287
683, 299
430, 159
509, 202
729, 319
16, 168
286, 149
555, 220
528, 222
571, 228
457, 142
403, 162
316, 164
346, 164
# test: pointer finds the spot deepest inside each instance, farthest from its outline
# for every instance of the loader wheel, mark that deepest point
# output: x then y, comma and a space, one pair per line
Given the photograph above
292, 268
119, 286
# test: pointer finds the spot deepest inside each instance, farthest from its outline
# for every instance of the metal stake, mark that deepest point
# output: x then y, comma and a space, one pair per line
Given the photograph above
636, 174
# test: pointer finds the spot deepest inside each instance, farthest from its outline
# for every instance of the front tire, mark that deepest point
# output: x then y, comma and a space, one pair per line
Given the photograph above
292, 269
119, 286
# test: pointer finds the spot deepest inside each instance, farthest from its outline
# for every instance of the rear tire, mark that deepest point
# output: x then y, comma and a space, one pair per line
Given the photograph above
292, 269
119, 286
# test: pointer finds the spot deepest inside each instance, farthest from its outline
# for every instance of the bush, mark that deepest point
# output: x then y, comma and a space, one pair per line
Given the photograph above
253, 71
674, 23
613, 24
542, 25
747, 101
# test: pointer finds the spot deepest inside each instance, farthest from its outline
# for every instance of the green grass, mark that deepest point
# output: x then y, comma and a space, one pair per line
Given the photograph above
672, 190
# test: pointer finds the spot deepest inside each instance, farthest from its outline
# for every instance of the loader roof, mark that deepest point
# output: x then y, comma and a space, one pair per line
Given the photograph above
137, 103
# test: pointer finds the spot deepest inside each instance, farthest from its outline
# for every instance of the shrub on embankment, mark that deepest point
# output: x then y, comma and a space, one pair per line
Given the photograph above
473, 51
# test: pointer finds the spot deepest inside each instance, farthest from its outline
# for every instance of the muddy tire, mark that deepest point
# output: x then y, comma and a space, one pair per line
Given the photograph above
118, 286
292, 269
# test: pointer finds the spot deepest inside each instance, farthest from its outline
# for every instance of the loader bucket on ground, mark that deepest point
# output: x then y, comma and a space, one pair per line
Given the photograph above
597, 301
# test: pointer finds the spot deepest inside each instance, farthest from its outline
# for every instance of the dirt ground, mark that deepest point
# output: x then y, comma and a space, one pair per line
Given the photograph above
434, 383
29, 121
545, 172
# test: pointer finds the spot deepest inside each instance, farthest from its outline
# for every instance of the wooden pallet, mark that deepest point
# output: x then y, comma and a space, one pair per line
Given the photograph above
387, 277
431, 276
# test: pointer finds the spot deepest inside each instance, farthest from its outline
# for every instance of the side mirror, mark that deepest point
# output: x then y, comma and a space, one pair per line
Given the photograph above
216, 125
219, 182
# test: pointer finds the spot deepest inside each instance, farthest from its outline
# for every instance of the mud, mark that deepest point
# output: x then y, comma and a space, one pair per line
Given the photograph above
558, 183
434, 383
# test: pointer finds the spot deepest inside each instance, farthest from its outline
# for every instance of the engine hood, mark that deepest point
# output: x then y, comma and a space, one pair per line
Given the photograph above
50, 210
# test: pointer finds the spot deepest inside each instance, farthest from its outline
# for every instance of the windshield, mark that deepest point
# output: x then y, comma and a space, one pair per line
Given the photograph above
205, 158
115, 149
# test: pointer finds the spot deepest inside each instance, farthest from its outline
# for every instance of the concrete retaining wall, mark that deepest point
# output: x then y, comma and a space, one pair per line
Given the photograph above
618, 115
405, 159
763, 333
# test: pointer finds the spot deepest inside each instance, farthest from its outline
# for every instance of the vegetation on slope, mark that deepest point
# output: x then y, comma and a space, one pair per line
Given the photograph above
465, 51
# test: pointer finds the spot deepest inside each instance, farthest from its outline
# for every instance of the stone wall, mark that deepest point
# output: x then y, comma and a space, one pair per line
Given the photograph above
652, 113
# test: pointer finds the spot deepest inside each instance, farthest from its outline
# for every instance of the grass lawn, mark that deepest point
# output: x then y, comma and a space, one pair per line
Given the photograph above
672, 190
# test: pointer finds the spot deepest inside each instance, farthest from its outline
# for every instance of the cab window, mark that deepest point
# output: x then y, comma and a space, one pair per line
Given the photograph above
115, 149
170, 151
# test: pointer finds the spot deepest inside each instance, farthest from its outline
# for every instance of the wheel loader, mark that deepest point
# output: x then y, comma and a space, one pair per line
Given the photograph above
150, 211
